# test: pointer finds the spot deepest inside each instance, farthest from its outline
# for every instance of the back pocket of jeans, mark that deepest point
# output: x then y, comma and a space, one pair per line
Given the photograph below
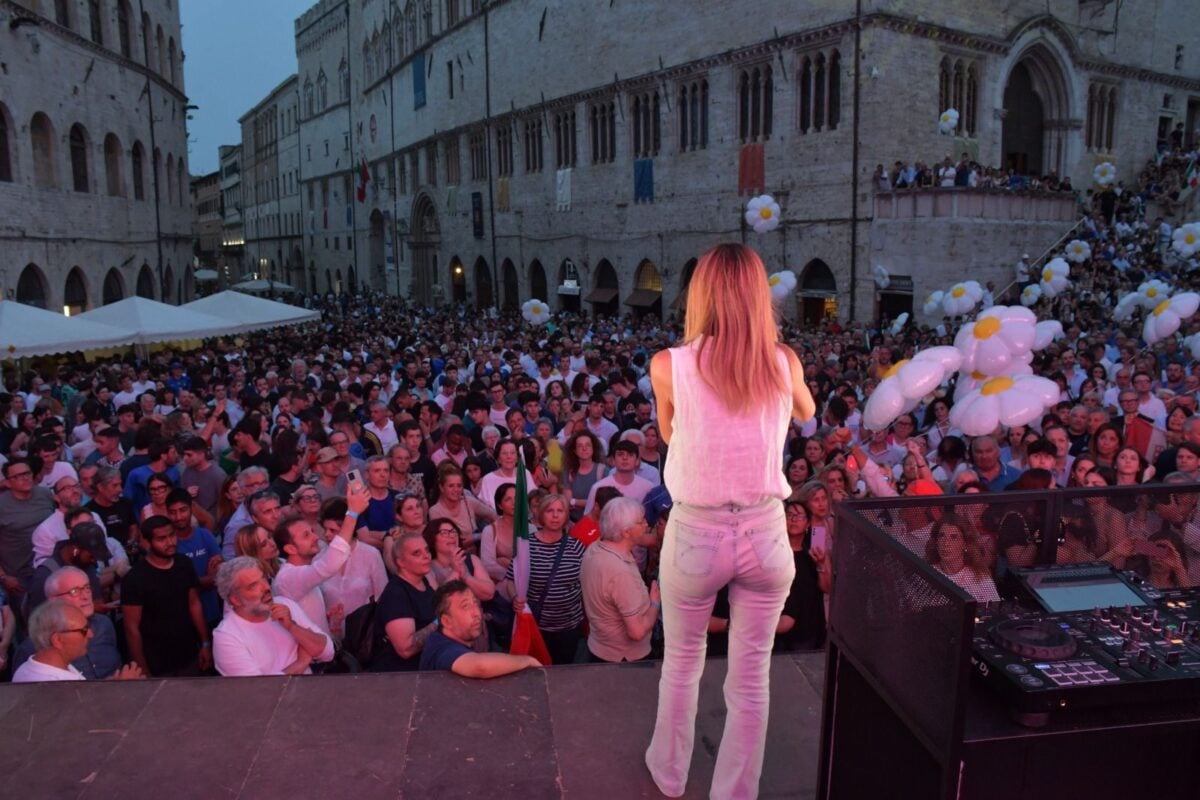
771, 547
695, 550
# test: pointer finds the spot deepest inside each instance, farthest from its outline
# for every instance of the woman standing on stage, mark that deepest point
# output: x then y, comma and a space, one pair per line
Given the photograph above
724, 402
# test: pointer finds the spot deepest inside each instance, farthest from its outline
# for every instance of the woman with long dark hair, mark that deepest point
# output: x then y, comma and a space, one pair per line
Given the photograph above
730, 389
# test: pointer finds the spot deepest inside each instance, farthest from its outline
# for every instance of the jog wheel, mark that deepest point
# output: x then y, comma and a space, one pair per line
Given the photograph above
1037, 639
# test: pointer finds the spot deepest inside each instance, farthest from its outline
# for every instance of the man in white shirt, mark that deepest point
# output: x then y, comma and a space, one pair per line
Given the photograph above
306, 567
67, 495
60, 633
382, 426
1023, 270
624, 476
595, 421
1149, 405
262, 635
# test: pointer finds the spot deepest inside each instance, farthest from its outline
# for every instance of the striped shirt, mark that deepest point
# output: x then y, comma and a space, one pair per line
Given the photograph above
563, 607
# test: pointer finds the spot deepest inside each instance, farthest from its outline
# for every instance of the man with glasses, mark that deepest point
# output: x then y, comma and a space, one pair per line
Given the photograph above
102, 659
1149, 406
68, 494
343, 445
60, 634
250, 481
1137, 428
22, 508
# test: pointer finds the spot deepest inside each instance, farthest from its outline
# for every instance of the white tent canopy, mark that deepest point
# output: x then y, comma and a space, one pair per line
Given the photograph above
244, 312
26, 331
263, 286
153, 321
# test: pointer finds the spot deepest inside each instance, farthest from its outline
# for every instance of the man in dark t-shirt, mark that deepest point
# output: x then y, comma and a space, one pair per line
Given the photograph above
461, 621
402, 600
114, 510
164, 619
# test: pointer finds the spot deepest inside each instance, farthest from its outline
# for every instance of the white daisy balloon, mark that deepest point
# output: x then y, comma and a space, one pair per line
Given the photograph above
933, 303
1055, 278
1168, 315
1031, 294
535, 312
1153, 292
1186, 239
967, 382
906, 382
1005, 400
898, 324
1000, 337
762, 213
962, 298
1104, 174
948, 121
882, 279
1078, 251
1046, 332
1123, 312
1192, 343
781, 283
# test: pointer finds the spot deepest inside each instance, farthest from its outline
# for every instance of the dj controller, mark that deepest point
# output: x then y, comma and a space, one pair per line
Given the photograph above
1097, 637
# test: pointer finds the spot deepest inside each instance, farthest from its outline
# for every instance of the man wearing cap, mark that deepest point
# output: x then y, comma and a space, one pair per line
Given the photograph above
202, 478
644, 470
330, 478
620, 610
67, 498
83, 549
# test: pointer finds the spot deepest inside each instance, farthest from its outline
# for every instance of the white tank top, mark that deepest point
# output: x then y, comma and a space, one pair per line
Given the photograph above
717, 456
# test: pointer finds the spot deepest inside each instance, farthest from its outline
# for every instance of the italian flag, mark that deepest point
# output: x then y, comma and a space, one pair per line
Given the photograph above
1191, 180
364, 177
527, 639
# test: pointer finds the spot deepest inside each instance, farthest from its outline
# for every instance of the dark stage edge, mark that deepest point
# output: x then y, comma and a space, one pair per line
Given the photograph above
566, 732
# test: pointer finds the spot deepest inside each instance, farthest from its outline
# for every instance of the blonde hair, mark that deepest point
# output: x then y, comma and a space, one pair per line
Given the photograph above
729, 310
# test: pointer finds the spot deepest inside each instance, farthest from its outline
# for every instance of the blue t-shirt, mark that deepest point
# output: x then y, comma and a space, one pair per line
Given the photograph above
440, 652
380, 515
200, 547
136, 490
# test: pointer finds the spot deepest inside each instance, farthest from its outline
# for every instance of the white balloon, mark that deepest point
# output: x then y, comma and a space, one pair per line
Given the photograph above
1047, 332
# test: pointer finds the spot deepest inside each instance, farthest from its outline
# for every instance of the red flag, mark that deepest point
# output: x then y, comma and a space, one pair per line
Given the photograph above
527, 638
364, 177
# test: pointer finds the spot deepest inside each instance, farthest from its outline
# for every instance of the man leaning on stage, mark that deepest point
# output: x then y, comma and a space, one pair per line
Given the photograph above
460, 621
264, 635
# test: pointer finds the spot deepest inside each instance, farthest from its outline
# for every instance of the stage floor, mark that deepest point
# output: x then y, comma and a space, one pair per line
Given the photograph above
567, 732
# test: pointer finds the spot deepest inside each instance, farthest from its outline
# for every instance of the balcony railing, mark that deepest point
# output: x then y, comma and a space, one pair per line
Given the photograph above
985, 204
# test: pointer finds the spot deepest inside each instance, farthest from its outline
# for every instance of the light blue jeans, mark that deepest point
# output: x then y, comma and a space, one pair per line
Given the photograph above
703, 550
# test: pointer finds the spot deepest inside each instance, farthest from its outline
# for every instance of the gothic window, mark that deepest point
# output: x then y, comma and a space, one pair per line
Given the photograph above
62, 13
94, 20
819, 95
6, 174
504, 150
79, 156
309, 98
123, 33
565, 152
478, 156
755, 103
647, 134
604, 132
112, 166
322, 91
343, 81
139, 179
368, 64
451, 12
533, 144
453, 166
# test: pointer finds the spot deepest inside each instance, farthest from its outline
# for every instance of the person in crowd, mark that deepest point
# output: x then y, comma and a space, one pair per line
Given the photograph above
802, 622
263, 634
200, 476
84, 548
60, 634
729, 375
621, 612
460, 624
954, 548
581, 470
506, 454
363, 577
23, 507
164, 619
406, 611
256, 542
555, 597
250, 482
67, 496
453, 503
624, 476
114, 511
200, 546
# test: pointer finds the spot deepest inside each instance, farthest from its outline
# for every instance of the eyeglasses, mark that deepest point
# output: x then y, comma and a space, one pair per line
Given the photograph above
447, 532
14, 475
308, 496
78, 590
86, 631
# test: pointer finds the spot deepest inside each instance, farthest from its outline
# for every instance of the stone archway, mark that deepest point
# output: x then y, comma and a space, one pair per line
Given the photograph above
484, 296
75, 292
114, 287
458, 281
145, 282
685, 280
817, 292
605, 293
168, 287
32, 289
1037, 113
426, 236
568, 286
537, 281
646, 297
189, 285
512, 291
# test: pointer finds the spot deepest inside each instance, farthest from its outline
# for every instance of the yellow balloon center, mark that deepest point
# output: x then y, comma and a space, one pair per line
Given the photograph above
977, 375
1047, 275
957, 292
894, 368
765, 212
1152, 293
774, 279
987, 328
1189, 238
996, 386
1161, 307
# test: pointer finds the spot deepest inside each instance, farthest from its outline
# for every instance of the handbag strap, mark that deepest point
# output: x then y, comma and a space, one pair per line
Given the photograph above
558, 557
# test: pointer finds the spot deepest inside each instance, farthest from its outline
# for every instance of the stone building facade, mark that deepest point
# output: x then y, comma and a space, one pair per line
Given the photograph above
94, 199
585, 154
233, 236
206, 219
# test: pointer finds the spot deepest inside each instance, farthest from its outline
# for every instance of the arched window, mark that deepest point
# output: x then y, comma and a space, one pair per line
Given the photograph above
123, 33
79, 158
174, 72
62, 12
368, 64
805, 95
180, 183
156, 166
959, 94
160, 50
971, 112
647, 132
944, 96
97, 30
6, 159
139, 179
170, 177
410, 17
427, 19
819, 93
378, 49
75, 293
835, 89
41, 137
145, 282
112, 166
385, 42
322, 91
310, 106
114, 287
344, 80
755, 104
147, 41
398, 33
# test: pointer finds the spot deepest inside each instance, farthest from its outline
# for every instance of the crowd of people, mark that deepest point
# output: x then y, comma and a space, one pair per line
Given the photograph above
344, 496
965, 173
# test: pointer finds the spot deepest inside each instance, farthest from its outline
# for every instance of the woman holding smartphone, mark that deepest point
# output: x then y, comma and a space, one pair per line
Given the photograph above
731, 389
